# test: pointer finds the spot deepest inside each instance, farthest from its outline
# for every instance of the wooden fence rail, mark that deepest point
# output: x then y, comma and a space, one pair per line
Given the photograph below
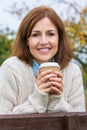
47, 121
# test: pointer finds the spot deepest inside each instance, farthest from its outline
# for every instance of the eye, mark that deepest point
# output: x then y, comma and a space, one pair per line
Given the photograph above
35, 35
52, 34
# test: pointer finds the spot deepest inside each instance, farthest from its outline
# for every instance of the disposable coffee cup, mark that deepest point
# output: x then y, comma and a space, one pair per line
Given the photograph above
49, 65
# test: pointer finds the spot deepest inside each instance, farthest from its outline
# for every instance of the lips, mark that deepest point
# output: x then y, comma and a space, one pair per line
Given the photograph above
45, 49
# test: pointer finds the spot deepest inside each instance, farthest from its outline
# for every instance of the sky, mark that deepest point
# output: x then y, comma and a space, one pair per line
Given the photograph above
12, 21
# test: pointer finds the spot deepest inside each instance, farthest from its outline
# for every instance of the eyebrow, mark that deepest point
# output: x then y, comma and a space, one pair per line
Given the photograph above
39, 30
36, 31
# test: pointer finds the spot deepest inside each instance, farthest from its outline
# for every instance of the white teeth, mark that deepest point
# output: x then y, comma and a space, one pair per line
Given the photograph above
44, 49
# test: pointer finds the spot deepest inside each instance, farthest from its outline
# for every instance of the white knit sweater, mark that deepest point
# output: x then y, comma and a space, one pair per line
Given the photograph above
19, 93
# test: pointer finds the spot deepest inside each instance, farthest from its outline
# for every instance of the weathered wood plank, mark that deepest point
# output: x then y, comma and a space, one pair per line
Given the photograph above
33, 122
46, 121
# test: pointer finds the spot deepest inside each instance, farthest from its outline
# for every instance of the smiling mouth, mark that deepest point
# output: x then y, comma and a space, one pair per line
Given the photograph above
44, 49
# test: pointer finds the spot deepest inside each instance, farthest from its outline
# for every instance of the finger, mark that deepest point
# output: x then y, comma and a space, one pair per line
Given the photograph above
56, 90
56, 79
59, 74
45, 85
40, 75
57, 85
46, 78
47, 90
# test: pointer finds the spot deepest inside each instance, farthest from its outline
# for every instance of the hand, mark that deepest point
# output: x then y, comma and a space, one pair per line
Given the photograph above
56, 84
43, 82
50, 82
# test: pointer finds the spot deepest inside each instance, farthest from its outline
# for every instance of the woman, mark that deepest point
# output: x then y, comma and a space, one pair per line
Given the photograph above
41, 38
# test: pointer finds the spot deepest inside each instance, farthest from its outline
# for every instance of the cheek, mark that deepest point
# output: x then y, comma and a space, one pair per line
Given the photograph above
56, 49
57, 42
30, 43
56, 45
32, 46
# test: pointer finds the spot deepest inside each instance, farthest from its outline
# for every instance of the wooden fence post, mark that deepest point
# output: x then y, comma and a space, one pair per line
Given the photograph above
82, 120
72, 121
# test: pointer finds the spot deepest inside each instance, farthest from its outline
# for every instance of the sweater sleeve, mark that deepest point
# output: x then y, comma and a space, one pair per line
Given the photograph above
75, 99
35, 103
58, 104
8, 90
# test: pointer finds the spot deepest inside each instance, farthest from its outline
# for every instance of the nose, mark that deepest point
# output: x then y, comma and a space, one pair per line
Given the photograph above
43, 40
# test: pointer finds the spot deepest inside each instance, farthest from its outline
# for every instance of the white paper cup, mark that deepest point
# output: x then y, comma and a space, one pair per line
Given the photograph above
49, 65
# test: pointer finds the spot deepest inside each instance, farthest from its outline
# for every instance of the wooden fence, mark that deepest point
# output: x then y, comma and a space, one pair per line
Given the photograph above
47, 121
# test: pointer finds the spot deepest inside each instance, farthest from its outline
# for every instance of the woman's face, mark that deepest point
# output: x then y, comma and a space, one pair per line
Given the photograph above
43, 41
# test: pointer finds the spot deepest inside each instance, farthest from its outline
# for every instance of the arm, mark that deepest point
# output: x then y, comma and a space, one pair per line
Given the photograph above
75, 101
76, 95
36, 103
8, 90
9, 94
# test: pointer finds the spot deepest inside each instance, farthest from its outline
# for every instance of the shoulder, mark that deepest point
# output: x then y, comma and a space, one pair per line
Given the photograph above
73, 65
17, 67
11, 60
14, 63
72, 68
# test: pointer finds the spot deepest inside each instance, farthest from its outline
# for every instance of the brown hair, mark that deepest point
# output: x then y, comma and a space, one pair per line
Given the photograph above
20, 48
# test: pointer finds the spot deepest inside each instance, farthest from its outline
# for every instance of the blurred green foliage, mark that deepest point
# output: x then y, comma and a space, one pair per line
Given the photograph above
5, 47
6, 39
86, 98
77, 34
84, 75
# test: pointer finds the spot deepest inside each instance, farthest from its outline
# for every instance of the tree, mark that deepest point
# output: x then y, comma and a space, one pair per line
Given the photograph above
5, 44
77, 33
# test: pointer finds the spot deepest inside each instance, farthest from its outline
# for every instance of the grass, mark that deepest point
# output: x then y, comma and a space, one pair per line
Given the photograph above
86, 98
